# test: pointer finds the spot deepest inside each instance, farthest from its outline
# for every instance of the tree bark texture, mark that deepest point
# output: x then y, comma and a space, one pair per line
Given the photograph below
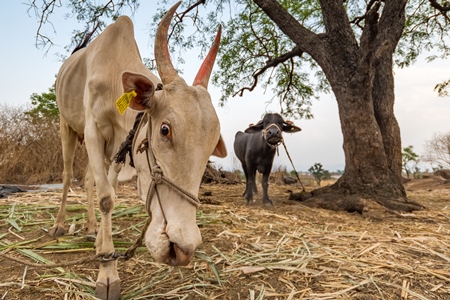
360, 75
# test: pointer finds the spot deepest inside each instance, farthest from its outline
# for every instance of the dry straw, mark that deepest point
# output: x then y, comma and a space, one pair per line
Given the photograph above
248, 252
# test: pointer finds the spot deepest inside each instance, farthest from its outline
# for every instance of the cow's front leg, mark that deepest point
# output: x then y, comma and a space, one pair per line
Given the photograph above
265, 187
92, 220
113, 174
108, 281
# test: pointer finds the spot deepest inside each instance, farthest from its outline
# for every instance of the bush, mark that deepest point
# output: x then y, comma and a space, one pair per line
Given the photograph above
319, 173
31, 149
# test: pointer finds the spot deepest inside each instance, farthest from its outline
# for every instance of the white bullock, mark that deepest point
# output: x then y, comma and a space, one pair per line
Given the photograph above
185, 131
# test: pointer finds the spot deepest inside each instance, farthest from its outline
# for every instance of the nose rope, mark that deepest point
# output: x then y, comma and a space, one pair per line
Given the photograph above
264, 133
158, 177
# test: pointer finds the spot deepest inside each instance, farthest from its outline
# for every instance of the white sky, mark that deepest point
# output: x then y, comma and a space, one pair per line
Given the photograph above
419, 111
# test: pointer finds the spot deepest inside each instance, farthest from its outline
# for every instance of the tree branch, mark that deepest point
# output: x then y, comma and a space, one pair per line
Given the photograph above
442, 9
359, 19
442, 88
370, 32
304, 38
270, 64
180, 16
47, 9
291, 75
391, 26
83, 10
335, 19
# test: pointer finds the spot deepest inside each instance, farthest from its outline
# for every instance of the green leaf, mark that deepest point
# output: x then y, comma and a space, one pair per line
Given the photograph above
212, 265
38, 258
14, 224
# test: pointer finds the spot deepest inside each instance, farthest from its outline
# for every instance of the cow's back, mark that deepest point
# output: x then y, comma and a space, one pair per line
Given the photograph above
90, 81
69, 85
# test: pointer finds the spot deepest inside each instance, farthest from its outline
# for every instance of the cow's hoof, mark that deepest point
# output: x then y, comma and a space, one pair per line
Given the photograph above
108, 292
56, 231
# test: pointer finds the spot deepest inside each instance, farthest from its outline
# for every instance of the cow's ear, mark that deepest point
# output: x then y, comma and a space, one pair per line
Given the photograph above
288, 126
220, 150
255, 128
143, 87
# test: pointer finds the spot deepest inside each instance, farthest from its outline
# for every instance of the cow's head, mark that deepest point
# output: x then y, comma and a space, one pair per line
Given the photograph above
185, 133
272, 126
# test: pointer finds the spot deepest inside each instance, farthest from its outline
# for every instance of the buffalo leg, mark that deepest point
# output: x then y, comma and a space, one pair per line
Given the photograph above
254, 188
244, 167
250, 184
265, 187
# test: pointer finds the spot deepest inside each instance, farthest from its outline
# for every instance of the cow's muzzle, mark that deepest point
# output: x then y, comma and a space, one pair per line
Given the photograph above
173, 245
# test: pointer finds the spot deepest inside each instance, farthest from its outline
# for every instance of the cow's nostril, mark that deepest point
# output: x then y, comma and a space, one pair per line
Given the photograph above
178, 257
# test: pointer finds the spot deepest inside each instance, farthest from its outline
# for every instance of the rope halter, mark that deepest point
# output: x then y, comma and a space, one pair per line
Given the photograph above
272, 146
156, 173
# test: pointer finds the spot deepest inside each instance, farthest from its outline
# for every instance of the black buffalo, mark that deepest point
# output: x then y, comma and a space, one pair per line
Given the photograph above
256, 148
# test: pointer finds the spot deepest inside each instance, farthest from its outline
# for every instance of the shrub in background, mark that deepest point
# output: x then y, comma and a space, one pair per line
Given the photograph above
31, 148
319, 173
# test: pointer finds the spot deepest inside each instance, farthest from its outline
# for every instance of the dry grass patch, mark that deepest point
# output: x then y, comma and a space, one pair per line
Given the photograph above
248, 252
31, 149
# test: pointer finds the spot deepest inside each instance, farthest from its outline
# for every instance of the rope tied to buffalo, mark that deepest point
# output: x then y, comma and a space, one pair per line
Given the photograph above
295, 171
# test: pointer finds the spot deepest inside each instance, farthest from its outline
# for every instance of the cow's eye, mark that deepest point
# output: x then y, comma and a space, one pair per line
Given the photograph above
165, 130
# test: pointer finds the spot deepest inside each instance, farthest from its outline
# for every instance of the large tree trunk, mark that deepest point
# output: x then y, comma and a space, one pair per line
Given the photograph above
371, 179
360, 75
372, 144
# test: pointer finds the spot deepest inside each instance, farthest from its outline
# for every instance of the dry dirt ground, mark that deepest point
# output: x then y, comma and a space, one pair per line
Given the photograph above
248, 252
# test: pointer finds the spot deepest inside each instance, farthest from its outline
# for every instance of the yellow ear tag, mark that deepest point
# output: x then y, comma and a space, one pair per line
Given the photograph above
124, 101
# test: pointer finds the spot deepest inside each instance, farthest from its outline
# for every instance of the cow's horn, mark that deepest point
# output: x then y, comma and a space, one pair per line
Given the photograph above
204, 73
165, 68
